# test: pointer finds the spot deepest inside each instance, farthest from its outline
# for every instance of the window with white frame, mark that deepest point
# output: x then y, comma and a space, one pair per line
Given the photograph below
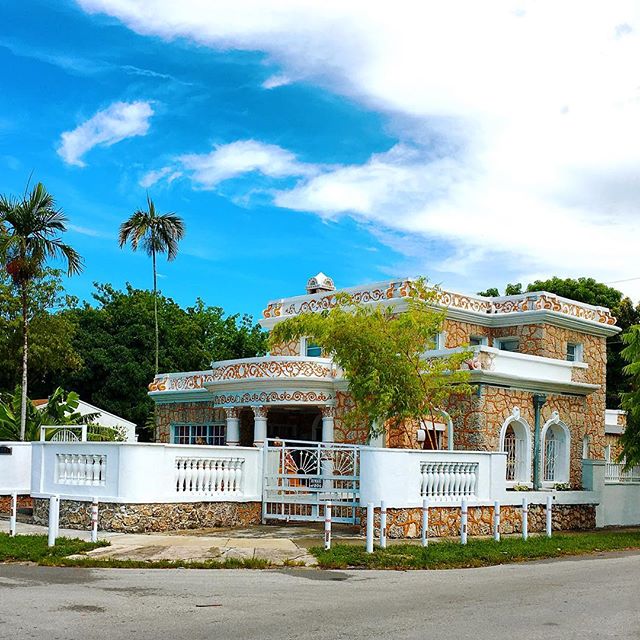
477, 341
555, 454
574, 352
440, 341
311, 349
508, 344
212, 433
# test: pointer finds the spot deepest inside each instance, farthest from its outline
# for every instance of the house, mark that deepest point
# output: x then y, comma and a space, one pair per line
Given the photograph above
539, 363
101, 417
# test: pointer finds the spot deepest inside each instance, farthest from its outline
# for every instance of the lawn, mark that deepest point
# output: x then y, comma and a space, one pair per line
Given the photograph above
477, 553
35, 549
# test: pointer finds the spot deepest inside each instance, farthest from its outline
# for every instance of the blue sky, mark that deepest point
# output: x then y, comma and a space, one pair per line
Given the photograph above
294, 140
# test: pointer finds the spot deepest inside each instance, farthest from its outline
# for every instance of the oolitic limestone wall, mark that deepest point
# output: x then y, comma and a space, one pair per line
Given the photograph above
145, 518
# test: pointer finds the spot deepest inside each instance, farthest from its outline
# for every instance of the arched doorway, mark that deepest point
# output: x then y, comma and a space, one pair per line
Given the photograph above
555, 438
515, 441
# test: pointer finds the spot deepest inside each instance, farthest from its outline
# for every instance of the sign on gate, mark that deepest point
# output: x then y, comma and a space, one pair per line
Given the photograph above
301, 477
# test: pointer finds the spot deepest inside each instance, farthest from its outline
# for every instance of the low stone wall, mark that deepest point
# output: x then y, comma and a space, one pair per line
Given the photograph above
24, 502
145, 518
445, 521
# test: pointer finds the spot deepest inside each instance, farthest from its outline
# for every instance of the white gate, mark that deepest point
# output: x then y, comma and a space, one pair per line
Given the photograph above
300, 477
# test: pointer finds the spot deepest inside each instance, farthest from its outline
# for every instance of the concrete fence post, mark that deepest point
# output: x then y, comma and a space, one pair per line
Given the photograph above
548, 515
13, 519
94, 520
463, 521
425, 522
383, 525
54, 519
370, 527
525, 519
327, 525
496, 521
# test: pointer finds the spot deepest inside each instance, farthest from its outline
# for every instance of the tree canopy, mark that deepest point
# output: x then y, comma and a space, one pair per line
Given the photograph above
631, 397
116, 344
382, 354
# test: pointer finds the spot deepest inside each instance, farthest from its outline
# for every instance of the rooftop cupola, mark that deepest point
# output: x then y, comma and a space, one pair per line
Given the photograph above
320, 283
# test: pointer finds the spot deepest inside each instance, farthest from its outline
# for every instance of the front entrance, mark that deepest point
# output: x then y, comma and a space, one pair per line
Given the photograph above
295, 423
301, 477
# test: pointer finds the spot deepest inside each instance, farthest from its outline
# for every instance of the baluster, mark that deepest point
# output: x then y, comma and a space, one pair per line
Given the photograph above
464, 480
61, 470
88, 469
206, 476
439, 480
456, 485
447, 482
179, 474
423, 480
200, 475
82, 469
225, 475
431, 479
219, 476
238, 482
473, 480
230, 488
74, 468
97, 469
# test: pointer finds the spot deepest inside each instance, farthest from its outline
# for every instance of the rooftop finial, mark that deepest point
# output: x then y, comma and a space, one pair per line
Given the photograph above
320, 282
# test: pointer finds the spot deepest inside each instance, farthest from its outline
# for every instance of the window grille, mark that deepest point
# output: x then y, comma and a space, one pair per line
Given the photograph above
199, 433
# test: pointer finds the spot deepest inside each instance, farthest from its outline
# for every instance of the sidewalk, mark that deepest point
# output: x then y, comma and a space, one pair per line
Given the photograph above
205, 545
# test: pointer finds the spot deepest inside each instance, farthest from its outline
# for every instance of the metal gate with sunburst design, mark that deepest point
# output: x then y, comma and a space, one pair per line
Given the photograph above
301, 477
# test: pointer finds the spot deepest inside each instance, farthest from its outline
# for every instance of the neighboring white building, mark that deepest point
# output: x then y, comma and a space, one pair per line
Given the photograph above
103, 418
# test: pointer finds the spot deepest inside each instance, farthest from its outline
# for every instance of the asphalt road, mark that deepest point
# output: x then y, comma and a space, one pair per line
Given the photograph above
597, 597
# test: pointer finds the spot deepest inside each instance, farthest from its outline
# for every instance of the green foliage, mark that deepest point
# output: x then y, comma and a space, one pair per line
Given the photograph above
382, 353
115, 340
590, 291
631, 398
60, 410
477, 552
31, 548
50, 332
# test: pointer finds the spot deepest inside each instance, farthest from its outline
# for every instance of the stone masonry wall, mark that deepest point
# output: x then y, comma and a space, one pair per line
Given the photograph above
145, 518
185, 412
445, 521
24, 502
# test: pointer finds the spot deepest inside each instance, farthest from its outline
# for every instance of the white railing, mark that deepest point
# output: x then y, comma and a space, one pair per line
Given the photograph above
81, 469
449, 481
145, 473
404, 477
209, 476
614, 472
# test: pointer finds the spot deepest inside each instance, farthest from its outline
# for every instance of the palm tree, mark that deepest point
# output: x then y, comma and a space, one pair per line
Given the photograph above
30, 229
158, 233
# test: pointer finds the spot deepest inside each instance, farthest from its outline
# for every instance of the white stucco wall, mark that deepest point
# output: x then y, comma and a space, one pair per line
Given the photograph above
15, 469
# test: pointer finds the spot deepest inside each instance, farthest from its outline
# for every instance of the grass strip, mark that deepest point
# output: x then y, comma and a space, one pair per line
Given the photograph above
477, 553
27, 548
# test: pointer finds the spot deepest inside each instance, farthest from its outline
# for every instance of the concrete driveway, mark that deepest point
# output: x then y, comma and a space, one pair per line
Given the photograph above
595, 597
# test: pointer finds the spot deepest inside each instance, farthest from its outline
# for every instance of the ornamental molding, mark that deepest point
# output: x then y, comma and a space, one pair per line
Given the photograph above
273, 397
233, 413
477, 305
328, 411
260, 411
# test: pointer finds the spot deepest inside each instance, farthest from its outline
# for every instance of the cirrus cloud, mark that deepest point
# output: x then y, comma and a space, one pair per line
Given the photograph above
117, 122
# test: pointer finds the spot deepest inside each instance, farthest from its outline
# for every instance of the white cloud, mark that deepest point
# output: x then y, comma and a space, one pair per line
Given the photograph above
117, 122
517, 122
227, 161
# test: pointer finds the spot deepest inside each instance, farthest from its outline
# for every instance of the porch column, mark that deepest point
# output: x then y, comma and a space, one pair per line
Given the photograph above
233, 426
328, 414
259, 425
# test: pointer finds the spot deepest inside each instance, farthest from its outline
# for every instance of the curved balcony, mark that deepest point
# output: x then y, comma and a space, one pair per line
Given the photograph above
274, 379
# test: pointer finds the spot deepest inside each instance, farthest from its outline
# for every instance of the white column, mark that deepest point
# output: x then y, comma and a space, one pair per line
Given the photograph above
233, 426
259, 425
328, 414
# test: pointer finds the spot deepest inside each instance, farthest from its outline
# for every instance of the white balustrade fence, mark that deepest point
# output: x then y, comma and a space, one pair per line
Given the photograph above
146, 473
614, 472
404, 477
449, 481
209, 476
81, 469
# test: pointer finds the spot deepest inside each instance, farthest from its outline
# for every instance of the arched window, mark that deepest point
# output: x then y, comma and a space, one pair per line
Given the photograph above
515, 441
555, 451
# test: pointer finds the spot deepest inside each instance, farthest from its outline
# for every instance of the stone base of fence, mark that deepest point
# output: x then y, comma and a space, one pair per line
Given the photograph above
445, 521
147, 518
24, 502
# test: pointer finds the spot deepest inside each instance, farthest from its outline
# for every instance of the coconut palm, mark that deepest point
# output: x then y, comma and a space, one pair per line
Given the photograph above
30, 230
156, 233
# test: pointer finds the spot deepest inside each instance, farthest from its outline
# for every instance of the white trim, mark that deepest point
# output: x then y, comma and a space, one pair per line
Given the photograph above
515, 417
563, 469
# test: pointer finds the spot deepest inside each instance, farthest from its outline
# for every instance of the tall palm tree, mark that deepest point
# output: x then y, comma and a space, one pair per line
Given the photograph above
30, 230
157, 233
